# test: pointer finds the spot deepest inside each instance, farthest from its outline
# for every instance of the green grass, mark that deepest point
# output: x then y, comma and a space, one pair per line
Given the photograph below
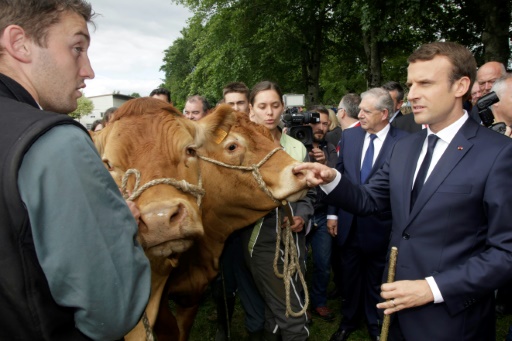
205, 325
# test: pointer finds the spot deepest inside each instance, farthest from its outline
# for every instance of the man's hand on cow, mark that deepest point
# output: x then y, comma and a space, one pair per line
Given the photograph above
332, 227
132, 206
405, 294
318, 155
298, 223
134, 209
316, 174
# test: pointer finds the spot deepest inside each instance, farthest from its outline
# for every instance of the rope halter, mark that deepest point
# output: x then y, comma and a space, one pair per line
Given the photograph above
255, 169
184, 186
197, 191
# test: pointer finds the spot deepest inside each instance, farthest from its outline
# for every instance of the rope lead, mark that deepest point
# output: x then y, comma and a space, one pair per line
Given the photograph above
291, 263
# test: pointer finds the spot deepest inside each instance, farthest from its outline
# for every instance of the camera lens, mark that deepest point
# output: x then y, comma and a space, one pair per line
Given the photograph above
301, 135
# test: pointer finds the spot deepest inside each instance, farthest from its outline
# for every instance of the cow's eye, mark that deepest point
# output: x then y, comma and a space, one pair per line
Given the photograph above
191, 151
108, 165
232, 146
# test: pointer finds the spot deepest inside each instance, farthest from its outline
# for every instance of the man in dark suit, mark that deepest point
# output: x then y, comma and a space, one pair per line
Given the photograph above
452, 229
397, 94
398, 119
363, 240
407, 123
348, 111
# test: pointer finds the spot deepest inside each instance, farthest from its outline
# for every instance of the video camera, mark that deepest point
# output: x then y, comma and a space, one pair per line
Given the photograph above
484, 111
295, 121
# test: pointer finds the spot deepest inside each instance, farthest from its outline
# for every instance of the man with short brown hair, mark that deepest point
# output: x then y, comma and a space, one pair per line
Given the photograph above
448, 188
319, 238
70, 263
236, 94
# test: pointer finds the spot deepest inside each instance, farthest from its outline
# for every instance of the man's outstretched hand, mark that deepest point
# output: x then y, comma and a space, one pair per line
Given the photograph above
317, 174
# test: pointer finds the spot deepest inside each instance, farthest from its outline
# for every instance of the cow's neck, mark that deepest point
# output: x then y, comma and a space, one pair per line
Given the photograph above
219, 226
276, 134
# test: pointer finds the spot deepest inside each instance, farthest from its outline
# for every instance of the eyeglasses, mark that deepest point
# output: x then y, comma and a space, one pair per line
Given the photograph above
340, 108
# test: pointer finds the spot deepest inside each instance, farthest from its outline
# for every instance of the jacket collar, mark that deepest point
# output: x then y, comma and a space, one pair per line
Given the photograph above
11, 89
455, 151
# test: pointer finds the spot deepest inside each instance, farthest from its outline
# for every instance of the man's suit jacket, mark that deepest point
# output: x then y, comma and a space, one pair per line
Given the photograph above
459, 231
407, 123
474, 114
373, 229
334, 136
399, 114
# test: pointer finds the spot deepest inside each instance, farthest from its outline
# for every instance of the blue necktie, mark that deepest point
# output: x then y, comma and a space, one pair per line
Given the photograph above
367, 165
422, 173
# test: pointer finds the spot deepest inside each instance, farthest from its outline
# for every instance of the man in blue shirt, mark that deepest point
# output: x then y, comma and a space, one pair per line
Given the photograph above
71, 266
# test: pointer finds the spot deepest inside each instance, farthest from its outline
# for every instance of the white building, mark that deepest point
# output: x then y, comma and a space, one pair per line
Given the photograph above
101, 104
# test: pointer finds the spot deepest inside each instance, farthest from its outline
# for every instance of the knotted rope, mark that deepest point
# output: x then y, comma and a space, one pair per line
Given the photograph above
147, 327
291, 258
184, 186
254, 168
291, 263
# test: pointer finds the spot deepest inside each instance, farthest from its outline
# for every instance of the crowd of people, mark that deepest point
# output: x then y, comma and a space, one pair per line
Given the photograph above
433, 183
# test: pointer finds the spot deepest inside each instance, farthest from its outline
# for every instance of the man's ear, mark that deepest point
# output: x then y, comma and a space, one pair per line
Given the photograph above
16, 43
461, 86
251, 113
385, 115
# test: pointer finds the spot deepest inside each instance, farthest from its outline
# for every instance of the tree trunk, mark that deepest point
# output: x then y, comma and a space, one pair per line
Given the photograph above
313, 77
311, 72
311, 57
495, 35
371, 47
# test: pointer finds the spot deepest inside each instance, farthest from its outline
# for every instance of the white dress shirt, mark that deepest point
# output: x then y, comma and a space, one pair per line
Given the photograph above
377, 144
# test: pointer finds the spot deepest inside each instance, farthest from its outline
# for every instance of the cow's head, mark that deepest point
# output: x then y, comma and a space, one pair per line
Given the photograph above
233, 192
152, 137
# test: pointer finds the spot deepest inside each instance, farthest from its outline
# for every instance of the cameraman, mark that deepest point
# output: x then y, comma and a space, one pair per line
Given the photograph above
502, 110
319, 238
321, 151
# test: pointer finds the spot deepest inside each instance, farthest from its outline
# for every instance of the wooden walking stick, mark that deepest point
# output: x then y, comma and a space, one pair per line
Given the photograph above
391, 278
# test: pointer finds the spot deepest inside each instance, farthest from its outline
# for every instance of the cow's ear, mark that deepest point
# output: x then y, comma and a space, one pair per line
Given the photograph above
216, 126
99, 139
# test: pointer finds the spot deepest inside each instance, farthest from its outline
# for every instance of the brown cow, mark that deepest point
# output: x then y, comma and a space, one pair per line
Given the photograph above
152, 137
233, 200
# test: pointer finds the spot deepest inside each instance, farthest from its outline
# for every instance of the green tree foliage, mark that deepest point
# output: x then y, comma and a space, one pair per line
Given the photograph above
322, 48
85, 107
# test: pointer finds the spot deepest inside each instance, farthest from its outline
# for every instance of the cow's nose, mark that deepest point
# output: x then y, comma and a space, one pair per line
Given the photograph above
299, 175
163, 214
161, 222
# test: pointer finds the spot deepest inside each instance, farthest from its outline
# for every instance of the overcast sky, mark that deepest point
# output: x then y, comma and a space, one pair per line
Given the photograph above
127, 47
